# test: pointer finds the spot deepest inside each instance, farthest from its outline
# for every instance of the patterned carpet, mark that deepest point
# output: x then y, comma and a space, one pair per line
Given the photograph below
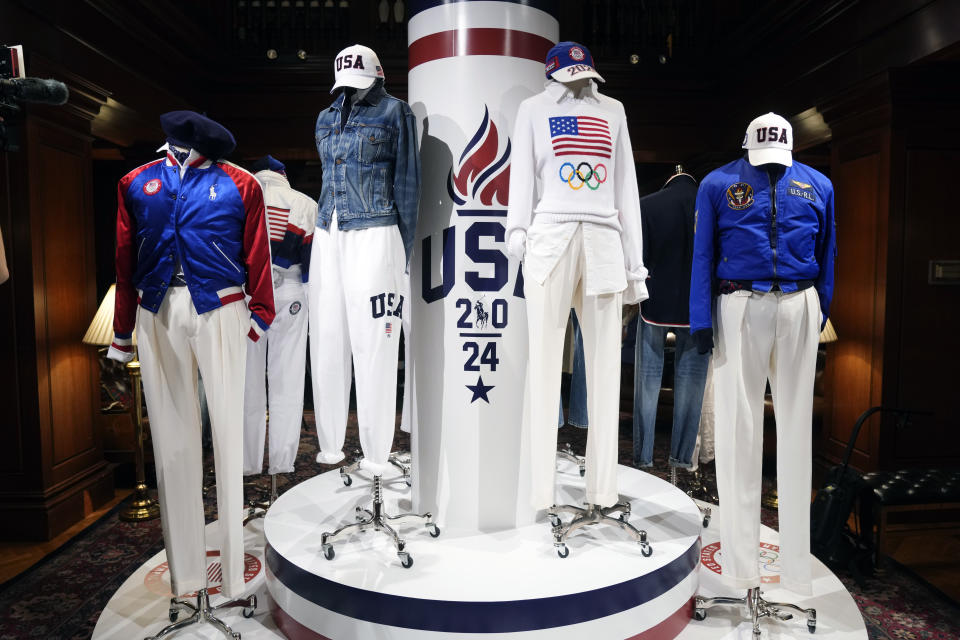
61, 597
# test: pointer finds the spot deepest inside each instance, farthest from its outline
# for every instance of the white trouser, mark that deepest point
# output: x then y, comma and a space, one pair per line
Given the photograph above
705, 451
760, 336
172, 344
548, 308
281, 354
356, 291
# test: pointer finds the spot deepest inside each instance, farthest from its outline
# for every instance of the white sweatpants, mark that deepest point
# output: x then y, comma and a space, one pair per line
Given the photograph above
172, 344
280, 356
356, 303
761, 336
548, 308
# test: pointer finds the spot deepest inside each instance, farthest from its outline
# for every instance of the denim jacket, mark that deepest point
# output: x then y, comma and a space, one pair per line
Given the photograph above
371, 167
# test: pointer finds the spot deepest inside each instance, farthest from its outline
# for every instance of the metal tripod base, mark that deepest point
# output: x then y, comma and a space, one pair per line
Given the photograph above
695, 487
567, 454
757, 608
259, 509
399, 459
203, 613
590, 515
378, 520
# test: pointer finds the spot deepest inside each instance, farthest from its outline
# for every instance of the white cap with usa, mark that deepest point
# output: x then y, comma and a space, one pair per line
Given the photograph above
769, 139
356, 66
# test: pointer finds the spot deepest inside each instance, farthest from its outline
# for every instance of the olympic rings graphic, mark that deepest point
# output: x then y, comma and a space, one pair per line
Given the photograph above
577, 175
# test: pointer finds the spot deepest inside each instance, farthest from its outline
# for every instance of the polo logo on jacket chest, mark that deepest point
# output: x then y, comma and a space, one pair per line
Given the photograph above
739, 196
152, 187
213, 192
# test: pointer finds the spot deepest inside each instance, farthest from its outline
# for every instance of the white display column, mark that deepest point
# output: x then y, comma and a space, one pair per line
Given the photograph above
471, 64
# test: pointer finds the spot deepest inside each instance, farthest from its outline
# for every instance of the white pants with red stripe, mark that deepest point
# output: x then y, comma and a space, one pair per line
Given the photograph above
173, 343
761, 336
277, 362
548, 308
357, 299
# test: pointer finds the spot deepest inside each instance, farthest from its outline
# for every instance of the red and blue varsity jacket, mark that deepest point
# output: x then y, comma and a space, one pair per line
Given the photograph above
207, 214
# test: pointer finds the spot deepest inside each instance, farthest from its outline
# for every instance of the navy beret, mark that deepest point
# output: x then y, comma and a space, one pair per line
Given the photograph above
192, 130
267, 163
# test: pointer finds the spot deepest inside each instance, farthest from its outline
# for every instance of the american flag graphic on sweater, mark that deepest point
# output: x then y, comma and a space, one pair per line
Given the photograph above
580, 136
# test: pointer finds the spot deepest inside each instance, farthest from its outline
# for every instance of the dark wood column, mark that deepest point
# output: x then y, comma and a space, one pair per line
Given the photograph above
52, 470
896, 155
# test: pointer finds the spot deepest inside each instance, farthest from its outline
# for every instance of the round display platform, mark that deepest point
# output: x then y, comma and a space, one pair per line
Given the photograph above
139, 607
501, 584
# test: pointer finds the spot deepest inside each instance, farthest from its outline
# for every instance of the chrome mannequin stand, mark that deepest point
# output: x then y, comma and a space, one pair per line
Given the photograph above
757, 608
259, 509
203, 612
399, 459
567, 454
590, 515
379, 520
706, 512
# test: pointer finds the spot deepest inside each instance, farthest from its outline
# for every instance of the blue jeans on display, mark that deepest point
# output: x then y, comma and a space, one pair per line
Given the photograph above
690, 374
577, 404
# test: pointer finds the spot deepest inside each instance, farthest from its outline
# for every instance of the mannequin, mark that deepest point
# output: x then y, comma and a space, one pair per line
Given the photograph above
668, 223
581, 247
191, 237
367, 143
282, 353
765, 231
361, 247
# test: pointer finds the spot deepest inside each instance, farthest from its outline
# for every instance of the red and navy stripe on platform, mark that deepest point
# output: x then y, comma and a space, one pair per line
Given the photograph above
481, 617
479, 41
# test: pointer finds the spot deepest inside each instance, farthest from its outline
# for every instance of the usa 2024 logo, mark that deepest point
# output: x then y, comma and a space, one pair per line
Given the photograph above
479, 188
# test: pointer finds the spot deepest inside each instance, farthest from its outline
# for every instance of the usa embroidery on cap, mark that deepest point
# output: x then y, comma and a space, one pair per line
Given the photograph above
739, 196
577, 54
152, 187
553, 63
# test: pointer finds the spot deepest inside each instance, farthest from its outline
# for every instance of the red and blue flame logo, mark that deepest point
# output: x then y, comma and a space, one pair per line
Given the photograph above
482, 175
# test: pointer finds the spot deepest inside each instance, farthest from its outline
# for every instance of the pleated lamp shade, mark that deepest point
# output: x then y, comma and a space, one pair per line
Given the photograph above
100, 331
829, 334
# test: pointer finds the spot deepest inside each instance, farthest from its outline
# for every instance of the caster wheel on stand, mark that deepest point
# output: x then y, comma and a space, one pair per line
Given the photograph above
563, 551
706, 521
434, 530
173, 614
248, 612
328, 551
812, 627
554, 520
699, 614
347, 480
406, 560
646, 550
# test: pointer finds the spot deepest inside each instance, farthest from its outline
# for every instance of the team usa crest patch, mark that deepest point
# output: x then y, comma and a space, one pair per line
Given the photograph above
152, 187
739, 196
577, 53
295, 308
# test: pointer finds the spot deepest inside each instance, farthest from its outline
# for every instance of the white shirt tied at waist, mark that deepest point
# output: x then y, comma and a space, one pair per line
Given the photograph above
573, 167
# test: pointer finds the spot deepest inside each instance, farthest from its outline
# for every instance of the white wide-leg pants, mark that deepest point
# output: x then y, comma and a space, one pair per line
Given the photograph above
761, 336
280, 356
548, 308
356, 303
172, 344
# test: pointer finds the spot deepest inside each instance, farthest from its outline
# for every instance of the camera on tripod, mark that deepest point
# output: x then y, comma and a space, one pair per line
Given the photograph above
15, 88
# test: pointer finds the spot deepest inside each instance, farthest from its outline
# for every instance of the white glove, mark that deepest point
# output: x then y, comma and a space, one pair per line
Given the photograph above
517, 244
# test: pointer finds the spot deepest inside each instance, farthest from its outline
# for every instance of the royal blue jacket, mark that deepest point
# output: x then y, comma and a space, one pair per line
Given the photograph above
211, 220
750, 227
371, 165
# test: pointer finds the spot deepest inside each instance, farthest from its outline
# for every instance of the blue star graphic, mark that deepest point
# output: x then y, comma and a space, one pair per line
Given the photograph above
479, 391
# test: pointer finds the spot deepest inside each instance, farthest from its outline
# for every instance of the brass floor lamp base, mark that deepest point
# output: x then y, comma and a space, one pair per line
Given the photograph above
142, 508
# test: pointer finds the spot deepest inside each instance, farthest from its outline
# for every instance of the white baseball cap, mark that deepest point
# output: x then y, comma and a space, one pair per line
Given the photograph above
769, 139
356, 66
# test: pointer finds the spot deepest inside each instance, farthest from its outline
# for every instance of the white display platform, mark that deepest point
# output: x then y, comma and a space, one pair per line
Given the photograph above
498, 584
458, 565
